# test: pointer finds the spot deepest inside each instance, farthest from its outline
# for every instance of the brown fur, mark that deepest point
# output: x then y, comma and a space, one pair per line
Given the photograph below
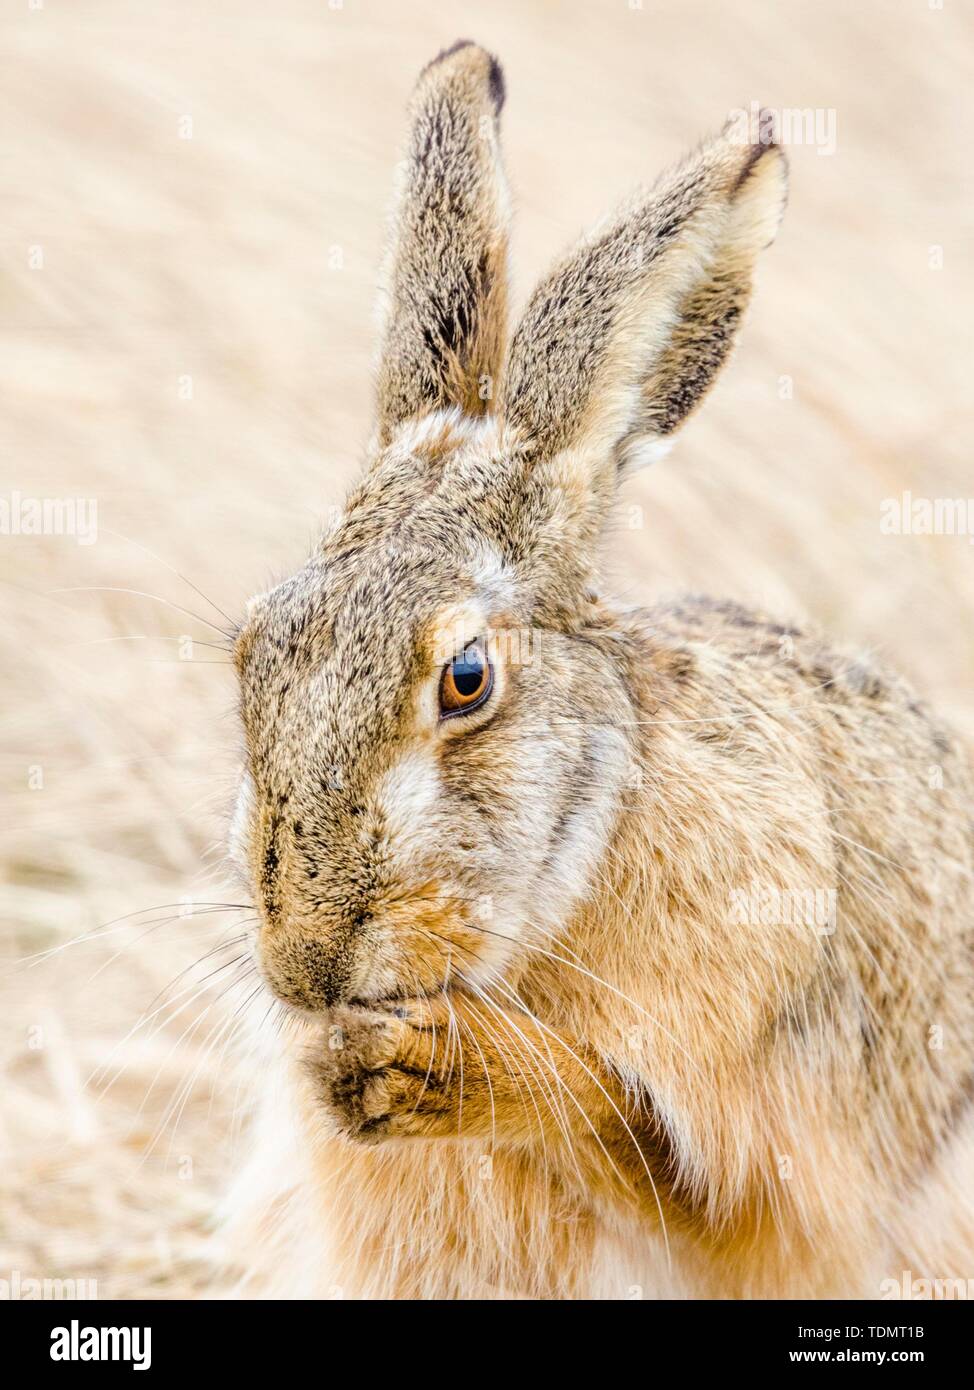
541, 1053
445, 333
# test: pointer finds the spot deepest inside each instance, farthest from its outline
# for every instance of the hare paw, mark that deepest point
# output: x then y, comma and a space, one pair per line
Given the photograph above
378, 1072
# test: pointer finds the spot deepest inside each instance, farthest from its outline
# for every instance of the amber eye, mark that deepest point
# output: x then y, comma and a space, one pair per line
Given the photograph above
466, 682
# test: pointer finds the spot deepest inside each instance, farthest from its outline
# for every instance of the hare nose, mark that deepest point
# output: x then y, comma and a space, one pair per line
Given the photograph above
306, 971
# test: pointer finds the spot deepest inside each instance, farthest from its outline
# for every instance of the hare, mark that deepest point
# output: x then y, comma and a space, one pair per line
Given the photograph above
625, 952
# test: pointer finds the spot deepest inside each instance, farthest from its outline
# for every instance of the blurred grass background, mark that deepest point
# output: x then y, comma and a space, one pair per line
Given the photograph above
207, 186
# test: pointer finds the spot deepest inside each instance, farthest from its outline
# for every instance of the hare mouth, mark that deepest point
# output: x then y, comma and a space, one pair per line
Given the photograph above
399, 996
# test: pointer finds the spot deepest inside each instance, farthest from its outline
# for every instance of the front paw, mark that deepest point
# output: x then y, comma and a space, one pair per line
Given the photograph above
384, 1072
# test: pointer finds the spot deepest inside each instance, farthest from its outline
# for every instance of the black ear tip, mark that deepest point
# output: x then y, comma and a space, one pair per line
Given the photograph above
495, 77
759, 150
498, 89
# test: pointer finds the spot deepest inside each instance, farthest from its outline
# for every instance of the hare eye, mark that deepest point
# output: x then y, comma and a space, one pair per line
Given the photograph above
466, 682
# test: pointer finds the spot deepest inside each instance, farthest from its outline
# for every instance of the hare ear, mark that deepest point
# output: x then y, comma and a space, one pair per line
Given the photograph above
623, 340
445, 328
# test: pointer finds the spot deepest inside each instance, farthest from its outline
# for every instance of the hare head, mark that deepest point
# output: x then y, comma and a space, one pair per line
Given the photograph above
435, 707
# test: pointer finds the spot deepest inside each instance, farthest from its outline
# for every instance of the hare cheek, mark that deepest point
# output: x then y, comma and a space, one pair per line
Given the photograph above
407, 796
585, 827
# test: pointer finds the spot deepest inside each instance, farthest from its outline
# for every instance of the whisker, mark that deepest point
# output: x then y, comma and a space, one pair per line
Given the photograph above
148, 637
119, 924
141, 593
200, 988
519, 1003
512, 1072
195, 587
177, 1104
519, 942
180, 1042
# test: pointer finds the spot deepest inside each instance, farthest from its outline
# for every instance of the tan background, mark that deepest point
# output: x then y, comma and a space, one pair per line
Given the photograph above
246, 258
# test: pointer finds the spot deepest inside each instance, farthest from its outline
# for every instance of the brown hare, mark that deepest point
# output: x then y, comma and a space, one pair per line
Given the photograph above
617, 961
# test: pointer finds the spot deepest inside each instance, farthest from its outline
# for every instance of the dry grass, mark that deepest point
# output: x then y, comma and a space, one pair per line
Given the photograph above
215, 258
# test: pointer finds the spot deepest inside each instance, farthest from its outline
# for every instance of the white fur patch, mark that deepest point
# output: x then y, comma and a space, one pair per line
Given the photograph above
415, 435
406, 795
240, 823
494, 579
643, 452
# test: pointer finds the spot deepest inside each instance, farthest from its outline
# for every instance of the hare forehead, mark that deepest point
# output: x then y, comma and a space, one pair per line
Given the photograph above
343, 656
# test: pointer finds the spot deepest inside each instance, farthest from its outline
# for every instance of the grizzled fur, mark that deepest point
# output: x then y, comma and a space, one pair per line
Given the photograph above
538, 1047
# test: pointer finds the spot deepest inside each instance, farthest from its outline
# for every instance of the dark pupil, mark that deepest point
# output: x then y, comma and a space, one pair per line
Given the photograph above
468, 672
